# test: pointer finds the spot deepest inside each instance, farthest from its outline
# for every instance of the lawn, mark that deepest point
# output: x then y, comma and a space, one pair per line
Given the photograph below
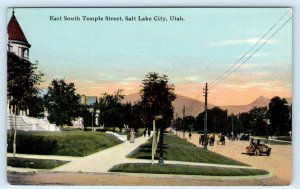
185, 170
34, 163
69, 143
178, 149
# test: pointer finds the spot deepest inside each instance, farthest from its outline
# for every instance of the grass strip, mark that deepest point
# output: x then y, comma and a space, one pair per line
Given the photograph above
65, 143
34, 163
185, 170
178, 149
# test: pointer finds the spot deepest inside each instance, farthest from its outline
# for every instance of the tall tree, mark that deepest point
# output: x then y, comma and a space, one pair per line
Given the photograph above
279, 116
157, 96
22, 82
62, 102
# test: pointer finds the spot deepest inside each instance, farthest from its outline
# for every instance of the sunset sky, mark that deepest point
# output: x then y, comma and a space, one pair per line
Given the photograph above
106, 56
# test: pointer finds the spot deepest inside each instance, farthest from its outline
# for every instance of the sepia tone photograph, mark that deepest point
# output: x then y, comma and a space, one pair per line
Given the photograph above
149, 96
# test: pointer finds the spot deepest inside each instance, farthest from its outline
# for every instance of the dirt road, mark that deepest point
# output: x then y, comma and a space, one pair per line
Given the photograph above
279, 162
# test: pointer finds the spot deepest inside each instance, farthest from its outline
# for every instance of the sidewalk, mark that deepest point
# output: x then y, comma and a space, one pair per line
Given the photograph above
102, 161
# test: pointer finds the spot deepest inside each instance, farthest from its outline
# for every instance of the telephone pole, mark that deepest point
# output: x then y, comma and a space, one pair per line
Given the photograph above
183, 122
214, 124
231, 127
205, 117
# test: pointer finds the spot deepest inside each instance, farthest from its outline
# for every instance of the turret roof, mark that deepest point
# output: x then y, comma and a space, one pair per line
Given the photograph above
15, 31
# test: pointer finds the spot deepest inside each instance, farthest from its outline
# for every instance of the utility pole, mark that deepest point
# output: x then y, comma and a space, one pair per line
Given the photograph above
205, 117
214, 124
183, 122
231, 127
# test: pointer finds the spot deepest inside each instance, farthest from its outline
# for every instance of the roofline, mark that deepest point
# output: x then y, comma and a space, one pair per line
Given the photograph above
20, 42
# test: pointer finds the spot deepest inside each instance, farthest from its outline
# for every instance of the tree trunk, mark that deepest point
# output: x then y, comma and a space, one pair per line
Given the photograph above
15, 131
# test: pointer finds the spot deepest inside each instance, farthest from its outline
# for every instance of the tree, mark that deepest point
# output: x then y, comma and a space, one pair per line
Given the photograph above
35, 106
245, 122
62, 102
216, 120
259, 118
111, 109
22, 80
279, 116
157, 96
137, 115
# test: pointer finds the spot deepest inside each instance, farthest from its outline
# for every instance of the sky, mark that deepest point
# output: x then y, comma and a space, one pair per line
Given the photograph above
105, 56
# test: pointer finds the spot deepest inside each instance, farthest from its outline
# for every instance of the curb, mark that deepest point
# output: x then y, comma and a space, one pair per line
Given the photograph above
146, 175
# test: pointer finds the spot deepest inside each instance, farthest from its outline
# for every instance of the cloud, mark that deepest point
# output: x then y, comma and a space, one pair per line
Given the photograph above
242, 41
192, 78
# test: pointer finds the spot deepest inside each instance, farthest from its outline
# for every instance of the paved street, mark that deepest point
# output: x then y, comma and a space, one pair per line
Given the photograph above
279, 162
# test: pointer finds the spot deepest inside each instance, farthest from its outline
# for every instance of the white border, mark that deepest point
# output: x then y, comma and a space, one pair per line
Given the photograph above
138, 3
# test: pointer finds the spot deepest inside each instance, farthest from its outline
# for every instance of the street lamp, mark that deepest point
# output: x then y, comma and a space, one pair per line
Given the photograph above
161, 150
154, 141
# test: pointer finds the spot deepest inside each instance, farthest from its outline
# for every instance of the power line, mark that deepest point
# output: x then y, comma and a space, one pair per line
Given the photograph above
253, 52
229, 69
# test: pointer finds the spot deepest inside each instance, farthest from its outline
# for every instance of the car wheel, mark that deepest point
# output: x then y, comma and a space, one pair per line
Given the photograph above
268, 153
257, 152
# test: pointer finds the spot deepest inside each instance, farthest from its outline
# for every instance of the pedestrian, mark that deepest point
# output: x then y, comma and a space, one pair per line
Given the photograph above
190, 135
132, 136
144, 133
149, 132
223, 140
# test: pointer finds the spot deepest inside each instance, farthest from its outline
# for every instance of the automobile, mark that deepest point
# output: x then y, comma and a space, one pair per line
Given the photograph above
258, 147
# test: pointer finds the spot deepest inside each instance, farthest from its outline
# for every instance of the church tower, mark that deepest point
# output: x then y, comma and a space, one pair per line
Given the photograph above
17, 42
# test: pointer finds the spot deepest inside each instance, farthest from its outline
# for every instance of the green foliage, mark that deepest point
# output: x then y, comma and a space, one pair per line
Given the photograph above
280, 116
69, 143
111, 110
185, 170
245, 122
258, 121
62, 102
34, 163
178, 149
216, 120
157, 97
22, 80
35, 106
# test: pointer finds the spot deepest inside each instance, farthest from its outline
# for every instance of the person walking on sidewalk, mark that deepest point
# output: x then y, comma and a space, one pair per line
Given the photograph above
132, 136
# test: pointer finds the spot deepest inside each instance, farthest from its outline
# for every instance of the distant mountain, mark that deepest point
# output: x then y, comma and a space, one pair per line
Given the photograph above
259, 102
194, 107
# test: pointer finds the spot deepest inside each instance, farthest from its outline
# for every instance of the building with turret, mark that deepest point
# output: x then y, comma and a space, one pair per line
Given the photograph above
17, 41
18, 45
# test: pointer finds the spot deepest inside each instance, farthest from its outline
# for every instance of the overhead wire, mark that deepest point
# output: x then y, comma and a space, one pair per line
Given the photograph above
229, 71
238, 61
254, 52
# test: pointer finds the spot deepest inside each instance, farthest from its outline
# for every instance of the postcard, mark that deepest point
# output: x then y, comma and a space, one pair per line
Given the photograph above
149, 96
